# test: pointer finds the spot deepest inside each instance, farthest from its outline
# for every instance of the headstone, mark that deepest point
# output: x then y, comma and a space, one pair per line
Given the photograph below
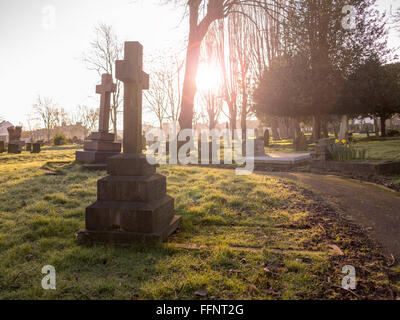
266, 138
29, 147
322, 152
2, 146
14, 148
14, 138
100, 145
36, 147
132, 203
259, 149
300, 143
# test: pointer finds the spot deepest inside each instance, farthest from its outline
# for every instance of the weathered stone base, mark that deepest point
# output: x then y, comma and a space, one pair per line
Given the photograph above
139, 217
14, 148
98, 149
95, 167
94, 156
97, 145
36, 148
127, 238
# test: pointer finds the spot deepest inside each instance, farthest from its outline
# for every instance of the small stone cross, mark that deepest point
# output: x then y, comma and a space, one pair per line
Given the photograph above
105, 89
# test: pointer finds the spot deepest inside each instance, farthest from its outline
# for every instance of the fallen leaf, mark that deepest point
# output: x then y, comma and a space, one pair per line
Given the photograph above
253, 289
267, 270
335, 250
201, 292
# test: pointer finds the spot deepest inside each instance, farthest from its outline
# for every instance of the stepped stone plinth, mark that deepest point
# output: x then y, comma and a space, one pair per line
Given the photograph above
132, 202
100, 146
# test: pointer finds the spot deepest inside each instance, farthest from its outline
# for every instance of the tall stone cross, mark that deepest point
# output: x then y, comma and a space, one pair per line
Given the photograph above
130, 72
105, 89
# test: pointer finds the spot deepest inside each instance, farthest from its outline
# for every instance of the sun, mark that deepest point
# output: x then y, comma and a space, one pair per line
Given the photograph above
208, 78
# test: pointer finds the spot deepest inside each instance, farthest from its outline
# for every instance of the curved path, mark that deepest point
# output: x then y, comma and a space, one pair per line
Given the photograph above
373, 207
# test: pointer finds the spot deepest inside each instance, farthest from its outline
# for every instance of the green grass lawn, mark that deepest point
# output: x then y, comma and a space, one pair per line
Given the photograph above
388, 150
253, 237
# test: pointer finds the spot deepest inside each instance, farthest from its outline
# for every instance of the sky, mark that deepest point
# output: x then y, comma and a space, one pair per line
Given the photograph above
40, 55
41, 42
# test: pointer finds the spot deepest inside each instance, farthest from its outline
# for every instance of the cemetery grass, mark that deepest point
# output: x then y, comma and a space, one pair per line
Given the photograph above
254, 237
381, 150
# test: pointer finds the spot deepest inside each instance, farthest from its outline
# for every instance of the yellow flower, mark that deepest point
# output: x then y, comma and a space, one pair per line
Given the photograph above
343, 141
348, 146
337, 140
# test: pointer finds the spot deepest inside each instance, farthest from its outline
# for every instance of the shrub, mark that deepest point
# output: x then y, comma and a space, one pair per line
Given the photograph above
393, 133
60, 140
342, 151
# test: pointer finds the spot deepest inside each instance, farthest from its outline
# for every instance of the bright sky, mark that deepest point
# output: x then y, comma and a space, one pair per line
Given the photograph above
38, 56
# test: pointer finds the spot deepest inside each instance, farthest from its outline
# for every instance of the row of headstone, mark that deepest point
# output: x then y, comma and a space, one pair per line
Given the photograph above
259, 150
15, 145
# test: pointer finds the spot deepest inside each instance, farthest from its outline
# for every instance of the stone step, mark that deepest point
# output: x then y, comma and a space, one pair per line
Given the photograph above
132, 188
127, 238
101, 146
137, 217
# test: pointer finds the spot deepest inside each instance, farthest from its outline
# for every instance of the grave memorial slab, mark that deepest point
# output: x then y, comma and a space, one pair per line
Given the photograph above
36, 147
2, 146
100, 145
132, 205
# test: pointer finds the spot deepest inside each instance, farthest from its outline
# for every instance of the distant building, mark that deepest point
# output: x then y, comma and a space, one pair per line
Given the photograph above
393, 123
69, 131
4, 125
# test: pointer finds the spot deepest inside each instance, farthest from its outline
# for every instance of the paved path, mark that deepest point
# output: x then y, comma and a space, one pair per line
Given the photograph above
370, 206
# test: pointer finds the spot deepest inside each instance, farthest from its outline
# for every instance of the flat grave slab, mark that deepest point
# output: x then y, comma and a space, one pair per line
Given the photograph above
282, 158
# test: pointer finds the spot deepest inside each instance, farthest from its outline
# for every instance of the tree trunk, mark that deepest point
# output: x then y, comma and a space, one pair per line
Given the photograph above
197, 32
325, 131
232, 120
383, 126
316, 128
344, 128
114, 122
376, 127
189, 85
275, 131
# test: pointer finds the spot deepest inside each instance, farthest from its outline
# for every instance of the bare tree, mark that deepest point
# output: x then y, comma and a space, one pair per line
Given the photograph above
46, 110
104, 50
211, 97
87, 117
164, 97
202, 13
61, 117
156, 97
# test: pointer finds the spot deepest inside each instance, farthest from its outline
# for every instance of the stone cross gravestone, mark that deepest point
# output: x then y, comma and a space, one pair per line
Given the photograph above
132, 203
100, 145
